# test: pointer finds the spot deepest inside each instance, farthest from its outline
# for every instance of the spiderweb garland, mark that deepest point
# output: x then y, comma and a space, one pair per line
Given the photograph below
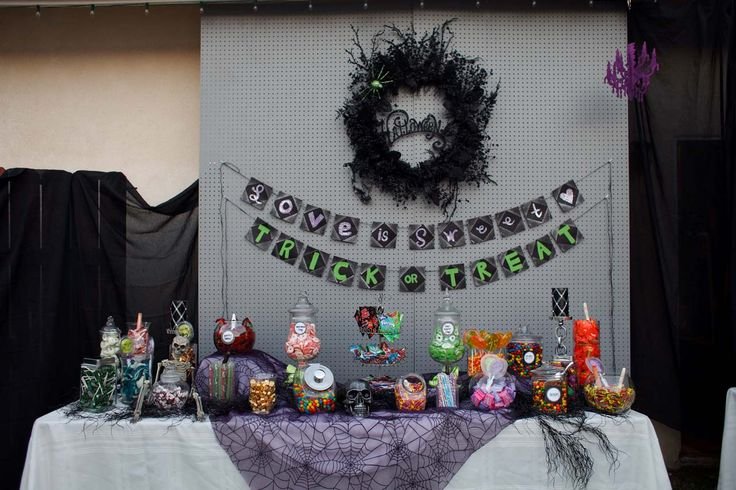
415, 62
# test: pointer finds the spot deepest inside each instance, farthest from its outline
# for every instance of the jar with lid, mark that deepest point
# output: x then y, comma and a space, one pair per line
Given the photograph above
97, 384
565, 362
446, 346
411, 393
233, 337
549, 389
109, 339
524, 353
170, 391
302, 344
314, 389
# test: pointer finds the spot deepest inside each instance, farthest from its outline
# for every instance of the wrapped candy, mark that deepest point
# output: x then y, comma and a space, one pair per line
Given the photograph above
495, 389
367, 319
390, 325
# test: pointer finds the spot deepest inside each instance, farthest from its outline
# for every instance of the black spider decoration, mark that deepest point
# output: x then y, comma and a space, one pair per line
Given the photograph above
417, 62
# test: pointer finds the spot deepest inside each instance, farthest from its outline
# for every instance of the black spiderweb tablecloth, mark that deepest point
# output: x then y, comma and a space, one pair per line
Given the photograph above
288, 450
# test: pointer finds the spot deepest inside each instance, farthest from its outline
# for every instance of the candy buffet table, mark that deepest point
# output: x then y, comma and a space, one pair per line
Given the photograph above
727, 476
161, 454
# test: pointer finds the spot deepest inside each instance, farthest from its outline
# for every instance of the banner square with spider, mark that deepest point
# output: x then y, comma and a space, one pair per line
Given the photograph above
541, 250
421, 237
287, 249
567, 236
372, 277
484, 271
481, 229
314, 220
286, 207
256, 193
314, 261
513, 262
567, 196
509, 222
345, 229
342, 271
451, 234
536, 212
261, 234
452, 276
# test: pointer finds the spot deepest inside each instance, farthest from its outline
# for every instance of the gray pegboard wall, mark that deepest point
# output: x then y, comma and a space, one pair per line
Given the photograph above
271, 86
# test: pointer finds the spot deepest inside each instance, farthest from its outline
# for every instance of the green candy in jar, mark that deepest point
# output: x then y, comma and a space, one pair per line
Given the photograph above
446, 346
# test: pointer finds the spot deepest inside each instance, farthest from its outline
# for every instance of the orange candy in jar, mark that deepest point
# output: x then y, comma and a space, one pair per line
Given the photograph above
411, 393
587, 340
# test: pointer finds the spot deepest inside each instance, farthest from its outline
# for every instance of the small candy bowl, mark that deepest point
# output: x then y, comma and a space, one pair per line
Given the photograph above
610, 394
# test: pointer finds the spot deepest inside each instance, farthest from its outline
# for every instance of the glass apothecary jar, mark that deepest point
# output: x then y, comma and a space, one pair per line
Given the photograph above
109, 339
549, 389
524, 353
170, 391
302, 344
262, 395
97, 384
314, 389
411, 393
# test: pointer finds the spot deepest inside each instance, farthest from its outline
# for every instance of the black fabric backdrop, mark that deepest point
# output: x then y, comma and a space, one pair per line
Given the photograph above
683, 275
75, 248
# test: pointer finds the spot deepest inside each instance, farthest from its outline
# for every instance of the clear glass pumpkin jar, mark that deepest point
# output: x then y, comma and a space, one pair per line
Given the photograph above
170, 391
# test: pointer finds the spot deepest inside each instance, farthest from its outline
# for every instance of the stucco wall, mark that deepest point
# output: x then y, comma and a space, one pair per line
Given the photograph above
117, 91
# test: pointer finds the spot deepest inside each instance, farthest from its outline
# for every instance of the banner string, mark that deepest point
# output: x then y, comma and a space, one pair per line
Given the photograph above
237, 170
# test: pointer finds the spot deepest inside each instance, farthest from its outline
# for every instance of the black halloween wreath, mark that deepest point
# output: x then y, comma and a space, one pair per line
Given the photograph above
458, 150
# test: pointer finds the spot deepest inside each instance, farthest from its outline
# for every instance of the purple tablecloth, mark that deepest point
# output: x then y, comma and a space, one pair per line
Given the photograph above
288, 450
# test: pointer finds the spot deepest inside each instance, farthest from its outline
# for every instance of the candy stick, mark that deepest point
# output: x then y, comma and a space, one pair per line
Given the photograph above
621, 379
223, 381
211, 373
229, 380
585, 310
597, 377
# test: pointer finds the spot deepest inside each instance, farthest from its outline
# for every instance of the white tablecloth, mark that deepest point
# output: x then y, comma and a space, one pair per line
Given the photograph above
156, 455
727, 476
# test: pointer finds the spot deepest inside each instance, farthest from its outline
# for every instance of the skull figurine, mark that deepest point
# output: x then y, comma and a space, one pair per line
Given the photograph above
181, 350
358, 398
